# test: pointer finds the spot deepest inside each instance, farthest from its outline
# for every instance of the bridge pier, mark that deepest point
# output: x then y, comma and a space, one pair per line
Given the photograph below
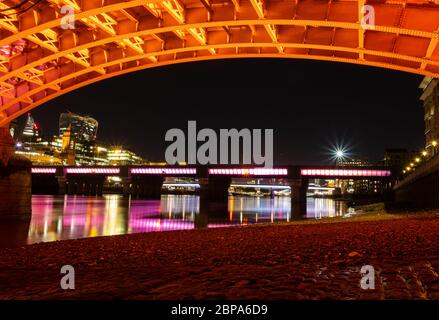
213, 200
89, 186
145, 186
299, 188
127, 186
218, 187
15, 180
201, 220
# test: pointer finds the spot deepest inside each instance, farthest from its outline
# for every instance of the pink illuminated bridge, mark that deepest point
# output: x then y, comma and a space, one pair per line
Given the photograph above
287, 172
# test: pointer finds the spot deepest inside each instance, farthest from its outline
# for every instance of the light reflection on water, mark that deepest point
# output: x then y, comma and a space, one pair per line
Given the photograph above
69, 217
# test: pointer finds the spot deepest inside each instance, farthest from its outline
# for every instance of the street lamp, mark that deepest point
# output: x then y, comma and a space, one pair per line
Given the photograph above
339, 155
434, 145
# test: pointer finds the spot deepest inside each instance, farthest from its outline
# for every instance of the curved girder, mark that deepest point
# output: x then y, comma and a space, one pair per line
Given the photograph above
40, 61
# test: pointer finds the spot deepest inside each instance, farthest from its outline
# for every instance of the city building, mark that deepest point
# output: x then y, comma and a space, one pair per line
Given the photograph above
31, 130
430, 98
40, 159
82, 134
353, 162
75, 145
357, 186
121, 156
397, 159
101, 156
83, 128
31, 144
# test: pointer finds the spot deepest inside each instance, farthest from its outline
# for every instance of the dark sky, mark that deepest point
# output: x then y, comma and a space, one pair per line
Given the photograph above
310, 105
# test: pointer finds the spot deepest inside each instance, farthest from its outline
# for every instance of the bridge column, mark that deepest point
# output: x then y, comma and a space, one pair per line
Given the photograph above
299, 188
127, 184
80, 190
148, 186
15, 180
201, 220
88, 187
62, 187
70, 186
99, 187
218, 187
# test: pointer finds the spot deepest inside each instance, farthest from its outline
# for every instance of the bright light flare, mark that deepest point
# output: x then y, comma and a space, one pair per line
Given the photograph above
339, 154
339, 151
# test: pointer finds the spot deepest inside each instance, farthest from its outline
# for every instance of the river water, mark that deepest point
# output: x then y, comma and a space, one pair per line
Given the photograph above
71, 217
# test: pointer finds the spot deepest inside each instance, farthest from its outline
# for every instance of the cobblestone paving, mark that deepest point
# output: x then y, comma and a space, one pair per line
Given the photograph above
316, 261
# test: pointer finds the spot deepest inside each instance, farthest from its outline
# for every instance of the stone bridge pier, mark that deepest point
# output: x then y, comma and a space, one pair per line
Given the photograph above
15, 180
299, 188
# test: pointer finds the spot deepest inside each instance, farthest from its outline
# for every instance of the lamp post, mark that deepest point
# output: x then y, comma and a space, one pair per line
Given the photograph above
434, 144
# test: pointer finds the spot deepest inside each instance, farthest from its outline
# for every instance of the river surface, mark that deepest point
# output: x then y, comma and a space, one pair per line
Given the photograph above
71, 217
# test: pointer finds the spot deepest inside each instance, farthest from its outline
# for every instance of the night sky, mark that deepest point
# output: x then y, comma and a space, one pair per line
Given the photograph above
310, 105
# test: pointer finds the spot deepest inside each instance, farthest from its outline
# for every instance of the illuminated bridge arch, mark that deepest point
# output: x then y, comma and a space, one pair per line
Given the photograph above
39, 60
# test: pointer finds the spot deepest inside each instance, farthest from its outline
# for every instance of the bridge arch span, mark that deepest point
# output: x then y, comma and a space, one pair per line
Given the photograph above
40, 61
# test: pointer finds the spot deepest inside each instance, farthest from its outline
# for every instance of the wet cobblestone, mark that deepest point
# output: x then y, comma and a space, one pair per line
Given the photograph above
316, 261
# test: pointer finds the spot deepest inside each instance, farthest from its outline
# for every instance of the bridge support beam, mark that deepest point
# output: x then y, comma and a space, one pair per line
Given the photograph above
201, 219
146, 187
218, 187
15, 180
62, 187
299, 188
127, 186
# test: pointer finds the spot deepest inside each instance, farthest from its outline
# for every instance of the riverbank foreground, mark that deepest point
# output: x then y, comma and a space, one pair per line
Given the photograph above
324, 260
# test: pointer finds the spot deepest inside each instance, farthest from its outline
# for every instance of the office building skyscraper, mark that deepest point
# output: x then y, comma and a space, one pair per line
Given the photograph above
83, 133
83, 128
31, 130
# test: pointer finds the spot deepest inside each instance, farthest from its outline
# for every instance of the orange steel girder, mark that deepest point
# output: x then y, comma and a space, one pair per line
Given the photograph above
39, 60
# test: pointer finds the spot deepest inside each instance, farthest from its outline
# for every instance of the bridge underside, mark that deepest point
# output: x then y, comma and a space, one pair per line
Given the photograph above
39, 60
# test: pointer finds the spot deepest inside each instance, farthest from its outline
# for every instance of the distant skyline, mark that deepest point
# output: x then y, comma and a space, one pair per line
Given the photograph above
311, 105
